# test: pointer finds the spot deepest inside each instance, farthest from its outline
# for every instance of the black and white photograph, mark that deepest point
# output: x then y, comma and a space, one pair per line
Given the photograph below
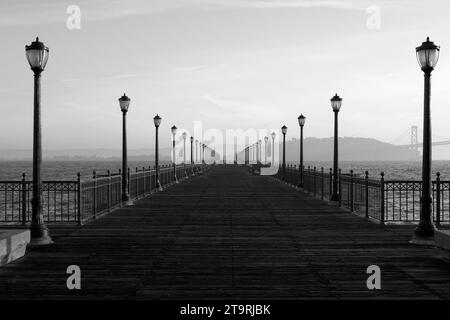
221, 157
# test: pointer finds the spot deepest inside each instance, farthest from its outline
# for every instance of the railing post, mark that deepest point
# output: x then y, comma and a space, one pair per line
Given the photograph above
367, 193
120, 175
79, 208
382, 198
129, 181
308, 187
340, 187
438, 199
314, 181
24, 200
137, 183
109, 190
351, 192
94, 213
330, 185
321, 183
149, 180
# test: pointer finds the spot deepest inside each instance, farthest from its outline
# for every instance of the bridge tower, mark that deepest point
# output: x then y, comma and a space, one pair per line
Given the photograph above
414, 139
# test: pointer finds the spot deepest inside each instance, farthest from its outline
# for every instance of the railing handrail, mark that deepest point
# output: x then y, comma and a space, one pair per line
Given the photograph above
393, 200
84, 199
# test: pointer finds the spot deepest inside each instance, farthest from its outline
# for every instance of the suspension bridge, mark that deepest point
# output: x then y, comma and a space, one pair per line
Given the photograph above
413, 134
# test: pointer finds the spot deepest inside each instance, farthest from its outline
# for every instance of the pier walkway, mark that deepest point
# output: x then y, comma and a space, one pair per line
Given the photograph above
228, 234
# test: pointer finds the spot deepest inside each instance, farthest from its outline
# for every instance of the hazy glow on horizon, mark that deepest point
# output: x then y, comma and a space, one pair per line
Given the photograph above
229, 63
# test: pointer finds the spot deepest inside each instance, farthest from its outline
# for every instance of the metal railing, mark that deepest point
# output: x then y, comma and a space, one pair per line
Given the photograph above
79, 201
385, 201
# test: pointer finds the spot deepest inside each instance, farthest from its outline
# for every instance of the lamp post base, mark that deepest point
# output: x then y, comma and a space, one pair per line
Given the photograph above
39, 236
158, 186
424, 235
334, 200
126, 201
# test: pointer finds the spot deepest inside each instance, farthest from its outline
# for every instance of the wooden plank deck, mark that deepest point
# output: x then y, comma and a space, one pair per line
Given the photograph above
228, 234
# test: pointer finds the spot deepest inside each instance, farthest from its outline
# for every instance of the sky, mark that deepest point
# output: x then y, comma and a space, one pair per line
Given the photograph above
227, 63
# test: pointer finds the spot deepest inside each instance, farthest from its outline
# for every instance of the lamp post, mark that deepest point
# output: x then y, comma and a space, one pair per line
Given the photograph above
192, 156
202, 151
37, 56
196, 151
260, 150
124, 103
427, 56
301, 123
174, 132
336, 103
253, 153
157, 122
247, 156
235, 151
266, 138
272, 157
184, 154
284, 131
204, 146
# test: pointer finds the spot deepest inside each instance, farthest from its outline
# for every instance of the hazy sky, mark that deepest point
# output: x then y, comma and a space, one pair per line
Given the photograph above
229, 63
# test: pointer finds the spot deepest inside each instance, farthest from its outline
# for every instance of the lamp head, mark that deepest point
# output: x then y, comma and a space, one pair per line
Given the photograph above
124, 103
37, 55
427, 55
174, 130
157, 121
336, 103
301, 120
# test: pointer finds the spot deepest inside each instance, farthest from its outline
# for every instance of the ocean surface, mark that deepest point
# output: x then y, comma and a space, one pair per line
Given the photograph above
64, 170
67, 170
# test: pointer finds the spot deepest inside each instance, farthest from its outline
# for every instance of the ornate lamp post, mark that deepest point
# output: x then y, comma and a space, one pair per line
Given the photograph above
427, 56
196, 150
247, 160
157, 122
124, 103
184, 154
266, 138
254, 152
272, 158
301, 123
174, 132
203, 153
37, 56
284, 131
260, 150
192, 156
336, 103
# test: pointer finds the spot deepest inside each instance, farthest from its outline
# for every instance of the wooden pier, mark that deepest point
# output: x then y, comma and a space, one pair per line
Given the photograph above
228, 234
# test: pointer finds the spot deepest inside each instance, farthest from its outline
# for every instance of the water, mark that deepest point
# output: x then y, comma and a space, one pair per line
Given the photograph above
67, 170
64, 170
393, 170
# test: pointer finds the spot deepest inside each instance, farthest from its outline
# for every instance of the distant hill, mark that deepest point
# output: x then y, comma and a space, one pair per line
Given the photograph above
350, 149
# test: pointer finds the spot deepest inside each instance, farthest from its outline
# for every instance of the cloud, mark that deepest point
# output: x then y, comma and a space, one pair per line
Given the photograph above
52, 11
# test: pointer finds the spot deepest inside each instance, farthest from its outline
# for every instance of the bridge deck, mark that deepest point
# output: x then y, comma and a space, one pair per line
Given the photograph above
229, 234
